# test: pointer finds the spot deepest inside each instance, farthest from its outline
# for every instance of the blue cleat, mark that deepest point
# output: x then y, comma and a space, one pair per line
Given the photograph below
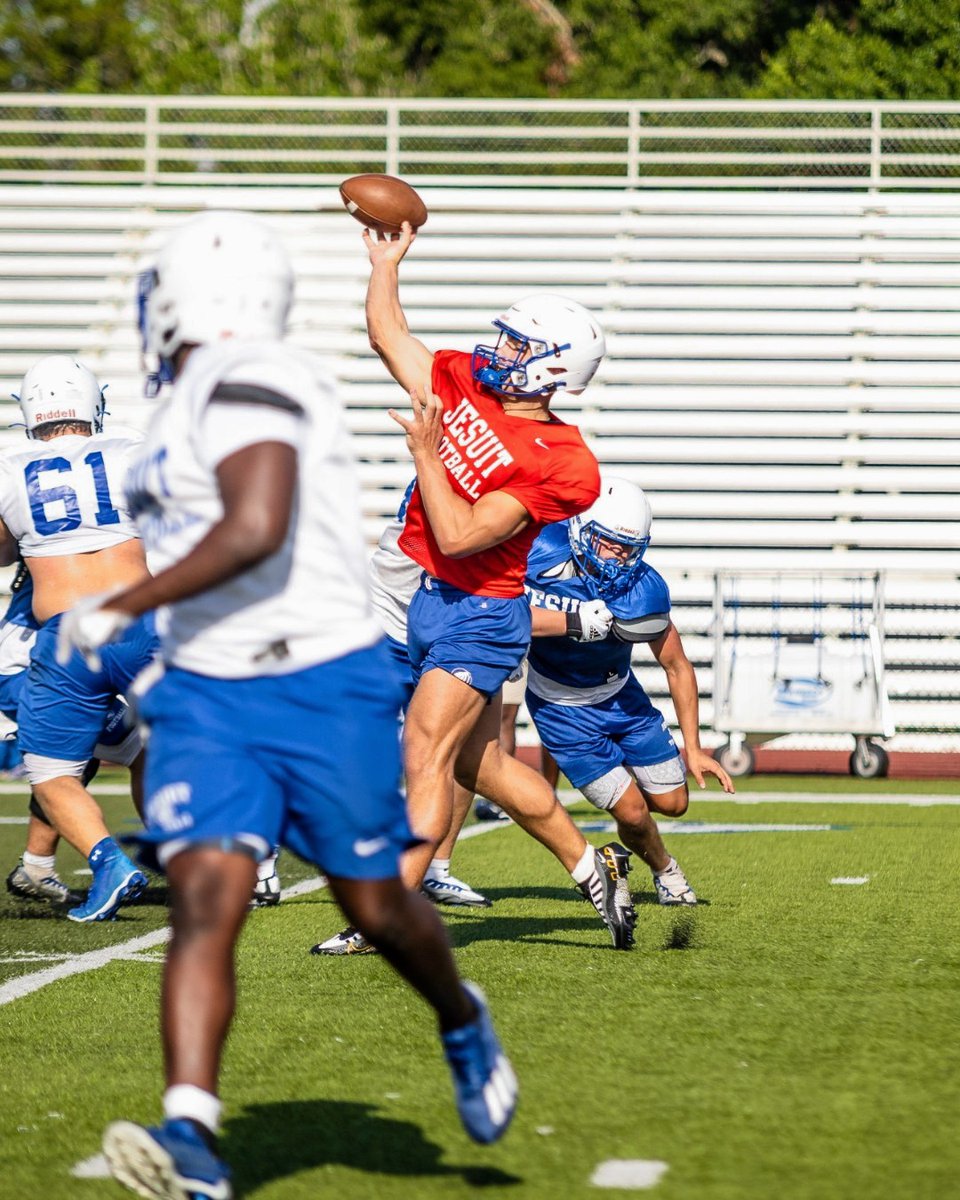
115, 879
485, 1085
171, 1161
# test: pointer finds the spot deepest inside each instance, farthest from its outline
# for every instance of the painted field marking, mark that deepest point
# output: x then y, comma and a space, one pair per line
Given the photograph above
709, 827
91, 1168
20, 787
908, 800
629, 1173
93, 960
851, 879
14, 820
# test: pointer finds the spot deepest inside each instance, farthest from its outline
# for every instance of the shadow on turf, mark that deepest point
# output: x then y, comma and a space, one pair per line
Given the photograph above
271, 1141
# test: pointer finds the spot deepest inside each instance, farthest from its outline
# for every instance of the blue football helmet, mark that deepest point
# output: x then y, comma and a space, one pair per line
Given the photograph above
621, 515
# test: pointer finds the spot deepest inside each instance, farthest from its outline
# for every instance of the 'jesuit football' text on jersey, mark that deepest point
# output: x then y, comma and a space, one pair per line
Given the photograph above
544, 464
66, 496
564, 671
306, 604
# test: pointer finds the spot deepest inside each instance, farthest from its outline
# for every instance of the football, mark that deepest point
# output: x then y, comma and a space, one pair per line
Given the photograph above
382, 202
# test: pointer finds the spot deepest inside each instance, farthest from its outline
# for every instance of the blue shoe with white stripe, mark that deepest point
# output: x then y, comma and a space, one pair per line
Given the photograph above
171, 1161
484, 1082
115, 880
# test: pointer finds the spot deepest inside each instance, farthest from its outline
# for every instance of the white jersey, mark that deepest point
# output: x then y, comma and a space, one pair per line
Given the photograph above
394, 578
307, 603
66, 496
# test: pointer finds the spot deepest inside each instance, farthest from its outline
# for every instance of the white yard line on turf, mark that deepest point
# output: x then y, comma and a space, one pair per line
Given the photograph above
20, 787
78, 964
909, 801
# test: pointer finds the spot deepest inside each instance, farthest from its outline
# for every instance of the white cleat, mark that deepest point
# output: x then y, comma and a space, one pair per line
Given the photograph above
453, 891
672, 886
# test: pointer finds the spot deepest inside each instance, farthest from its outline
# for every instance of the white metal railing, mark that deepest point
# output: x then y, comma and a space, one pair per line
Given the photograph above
596, 143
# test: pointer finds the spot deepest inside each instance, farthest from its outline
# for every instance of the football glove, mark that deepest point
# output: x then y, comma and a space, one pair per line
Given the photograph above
590, 623
88, 626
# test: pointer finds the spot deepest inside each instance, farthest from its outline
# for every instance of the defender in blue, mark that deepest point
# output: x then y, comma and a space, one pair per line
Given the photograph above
593, 597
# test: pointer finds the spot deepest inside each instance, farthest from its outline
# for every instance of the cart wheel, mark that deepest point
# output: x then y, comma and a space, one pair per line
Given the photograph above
869, 761
737, 763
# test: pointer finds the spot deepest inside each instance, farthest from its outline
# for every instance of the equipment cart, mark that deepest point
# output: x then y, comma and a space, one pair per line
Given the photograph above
799, 652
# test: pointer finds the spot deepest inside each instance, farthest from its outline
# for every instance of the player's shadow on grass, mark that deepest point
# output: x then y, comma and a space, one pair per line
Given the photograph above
271, 1141
488, 925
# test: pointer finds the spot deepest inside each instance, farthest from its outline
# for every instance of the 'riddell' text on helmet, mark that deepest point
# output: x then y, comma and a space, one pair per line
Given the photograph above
58, 388
620, 515
546, 342
220, 275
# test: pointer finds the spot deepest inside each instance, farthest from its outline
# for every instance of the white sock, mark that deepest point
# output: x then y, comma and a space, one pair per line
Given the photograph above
39, 866
439, 868
585, 867
671, 866
184, 1101
268, 867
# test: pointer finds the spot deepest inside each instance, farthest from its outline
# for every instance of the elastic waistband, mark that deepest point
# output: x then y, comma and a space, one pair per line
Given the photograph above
432, 584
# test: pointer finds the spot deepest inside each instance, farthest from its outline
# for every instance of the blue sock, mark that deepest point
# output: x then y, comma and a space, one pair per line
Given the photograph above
102, 852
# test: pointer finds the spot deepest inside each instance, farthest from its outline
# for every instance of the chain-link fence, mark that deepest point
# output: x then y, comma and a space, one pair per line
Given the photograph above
645, 143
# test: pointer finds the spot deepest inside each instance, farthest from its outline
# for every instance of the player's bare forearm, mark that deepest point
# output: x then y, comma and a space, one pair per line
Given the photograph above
460, 528
682, 682
547, 622
406, 358
257, 486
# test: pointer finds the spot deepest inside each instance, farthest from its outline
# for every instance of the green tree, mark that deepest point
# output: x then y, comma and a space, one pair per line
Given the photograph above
885, 49
63, 46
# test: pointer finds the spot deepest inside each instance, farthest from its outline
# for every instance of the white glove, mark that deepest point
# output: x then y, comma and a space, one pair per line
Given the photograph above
88, 626
590, 622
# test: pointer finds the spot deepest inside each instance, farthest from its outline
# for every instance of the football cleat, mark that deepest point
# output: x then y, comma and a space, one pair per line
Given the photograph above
453, 891
347, 941
171, 1161
266, 891
116, 880
486, 810
51, 888
613, 901
483, 1079
672, 886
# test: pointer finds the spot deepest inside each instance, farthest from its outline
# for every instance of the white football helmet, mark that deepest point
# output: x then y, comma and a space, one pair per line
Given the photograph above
219, 275
565, 344
621, 514
58, 388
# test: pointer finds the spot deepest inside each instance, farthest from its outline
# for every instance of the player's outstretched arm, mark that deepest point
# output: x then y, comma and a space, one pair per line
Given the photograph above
682, 680
459, 527
406, 358
257, 485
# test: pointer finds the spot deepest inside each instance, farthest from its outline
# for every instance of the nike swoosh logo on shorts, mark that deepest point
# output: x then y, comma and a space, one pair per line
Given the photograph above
365, 847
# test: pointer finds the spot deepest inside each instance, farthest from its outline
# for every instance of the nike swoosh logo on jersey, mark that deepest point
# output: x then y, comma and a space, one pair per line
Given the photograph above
541, 443
365, 847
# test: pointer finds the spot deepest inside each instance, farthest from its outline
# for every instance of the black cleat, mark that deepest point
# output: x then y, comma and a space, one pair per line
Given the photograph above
613, 903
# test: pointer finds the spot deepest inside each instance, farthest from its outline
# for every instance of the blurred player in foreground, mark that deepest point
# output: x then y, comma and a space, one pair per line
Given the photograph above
275, 720
493, 466
62, 508
589, 709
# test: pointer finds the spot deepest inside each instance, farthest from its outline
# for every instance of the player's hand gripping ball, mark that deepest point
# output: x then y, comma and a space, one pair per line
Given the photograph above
382, 202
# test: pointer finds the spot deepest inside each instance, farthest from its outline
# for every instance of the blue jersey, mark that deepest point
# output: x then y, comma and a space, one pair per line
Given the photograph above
553, 582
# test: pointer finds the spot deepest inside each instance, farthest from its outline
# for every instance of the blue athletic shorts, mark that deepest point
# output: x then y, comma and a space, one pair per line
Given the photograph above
589, 740
64, 709
308, 760
478, 639
10, 688
400, 657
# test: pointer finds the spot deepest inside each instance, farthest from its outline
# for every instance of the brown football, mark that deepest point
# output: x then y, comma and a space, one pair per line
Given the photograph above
382, 202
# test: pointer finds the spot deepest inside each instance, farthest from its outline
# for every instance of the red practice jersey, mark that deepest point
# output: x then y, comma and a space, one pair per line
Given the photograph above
545, 464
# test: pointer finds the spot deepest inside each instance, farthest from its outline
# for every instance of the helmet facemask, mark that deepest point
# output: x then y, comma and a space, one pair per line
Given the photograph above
611, 575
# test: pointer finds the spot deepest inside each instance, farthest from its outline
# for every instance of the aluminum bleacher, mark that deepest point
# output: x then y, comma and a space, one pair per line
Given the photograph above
783, 374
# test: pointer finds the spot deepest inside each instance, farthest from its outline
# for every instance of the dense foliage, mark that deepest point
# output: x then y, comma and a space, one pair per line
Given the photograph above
887, 49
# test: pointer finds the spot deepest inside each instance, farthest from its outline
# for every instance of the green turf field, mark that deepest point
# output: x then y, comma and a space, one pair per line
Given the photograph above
791, 1037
